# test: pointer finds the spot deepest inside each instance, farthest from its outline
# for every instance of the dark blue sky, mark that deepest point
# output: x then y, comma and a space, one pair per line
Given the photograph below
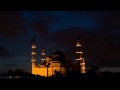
99, 34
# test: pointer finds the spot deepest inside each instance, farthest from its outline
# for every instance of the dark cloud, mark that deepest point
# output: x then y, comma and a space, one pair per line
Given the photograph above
106, 21
11, 24
41, 28
41, 21
10, 65
110, 23
66, 36
4, 52
98, 47
46, 16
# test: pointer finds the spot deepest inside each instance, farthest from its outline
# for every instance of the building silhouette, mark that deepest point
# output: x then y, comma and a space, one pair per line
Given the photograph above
58, 62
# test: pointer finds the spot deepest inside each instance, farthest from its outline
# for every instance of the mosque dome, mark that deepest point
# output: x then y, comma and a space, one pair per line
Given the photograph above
59, 52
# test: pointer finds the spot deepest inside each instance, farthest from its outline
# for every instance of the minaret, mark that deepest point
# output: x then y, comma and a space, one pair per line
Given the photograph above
80, 58
33, 54
43, 55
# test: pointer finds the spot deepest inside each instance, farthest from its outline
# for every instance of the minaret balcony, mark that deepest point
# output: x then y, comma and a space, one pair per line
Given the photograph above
78, 45
33, 46
33, 53
82, 63
33, 60
79, 52
79, 59
42, 53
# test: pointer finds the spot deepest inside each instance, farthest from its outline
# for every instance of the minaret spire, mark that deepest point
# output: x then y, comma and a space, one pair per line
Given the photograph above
80, 56
33, 49
43, 46
33, 54
78, 37
43, 54
34, 38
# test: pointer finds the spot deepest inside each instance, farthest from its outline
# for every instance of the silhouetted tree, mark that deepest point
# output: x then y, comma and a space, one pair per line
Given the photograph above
73, 74
10, 72
93, 73
19, 72
4, 74
58, 74
93, 69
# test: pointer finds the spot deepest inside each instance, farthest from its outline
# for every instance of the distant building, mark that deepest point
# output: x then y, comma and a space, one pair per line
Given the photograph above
58, 62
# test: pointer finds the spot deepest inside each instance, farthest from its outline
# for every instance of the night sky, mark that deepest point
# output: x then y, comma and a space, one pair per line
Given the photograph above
99, 33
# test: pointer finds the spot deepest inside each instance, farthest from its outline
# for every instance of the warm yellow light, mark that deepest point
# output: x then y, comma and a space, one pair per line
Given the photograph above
82, 63
83, 67
42, 53
78, 45
79, 59
33, 53
79, 52
33, 60
33, 46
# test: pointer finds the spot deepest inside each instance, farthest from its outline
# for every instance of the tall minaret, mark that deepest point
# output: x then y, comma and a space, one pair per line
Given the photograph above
33, 55
43, 55
80, 58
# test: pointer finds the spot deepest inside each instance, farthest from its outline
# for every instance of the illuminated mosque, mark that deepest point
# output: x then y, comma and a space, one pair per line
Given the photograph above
57, 62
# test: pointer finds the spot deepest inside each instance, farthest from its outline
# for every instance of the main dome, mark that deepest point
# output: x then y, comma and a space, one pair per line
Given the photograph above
58, 52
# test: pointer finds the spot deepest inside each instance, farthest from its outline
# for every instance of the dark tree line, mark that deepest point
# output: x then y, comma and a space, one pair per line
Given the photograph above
91, 74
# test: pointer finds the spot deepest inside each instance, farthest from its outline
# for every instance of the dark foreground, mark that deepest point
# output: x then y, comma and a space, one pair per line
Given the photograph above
89, 81
92, 79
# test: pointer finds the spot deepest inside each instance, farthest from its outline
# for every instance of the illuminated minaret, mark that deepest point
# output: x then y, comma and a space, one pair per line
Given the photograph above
43, 55
33, 54
80, 58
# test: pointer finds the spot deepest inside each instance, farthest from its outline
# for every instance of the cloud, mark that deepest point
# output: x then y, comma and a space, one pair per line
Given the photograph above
41, 28
11, 24
4, 52
98, 47
10, 65
39, 21
107, 20
110, 21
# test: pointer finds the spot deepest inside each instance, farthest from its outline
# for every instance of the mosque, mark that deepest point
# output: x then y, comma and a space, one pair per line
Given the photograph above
58, 62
